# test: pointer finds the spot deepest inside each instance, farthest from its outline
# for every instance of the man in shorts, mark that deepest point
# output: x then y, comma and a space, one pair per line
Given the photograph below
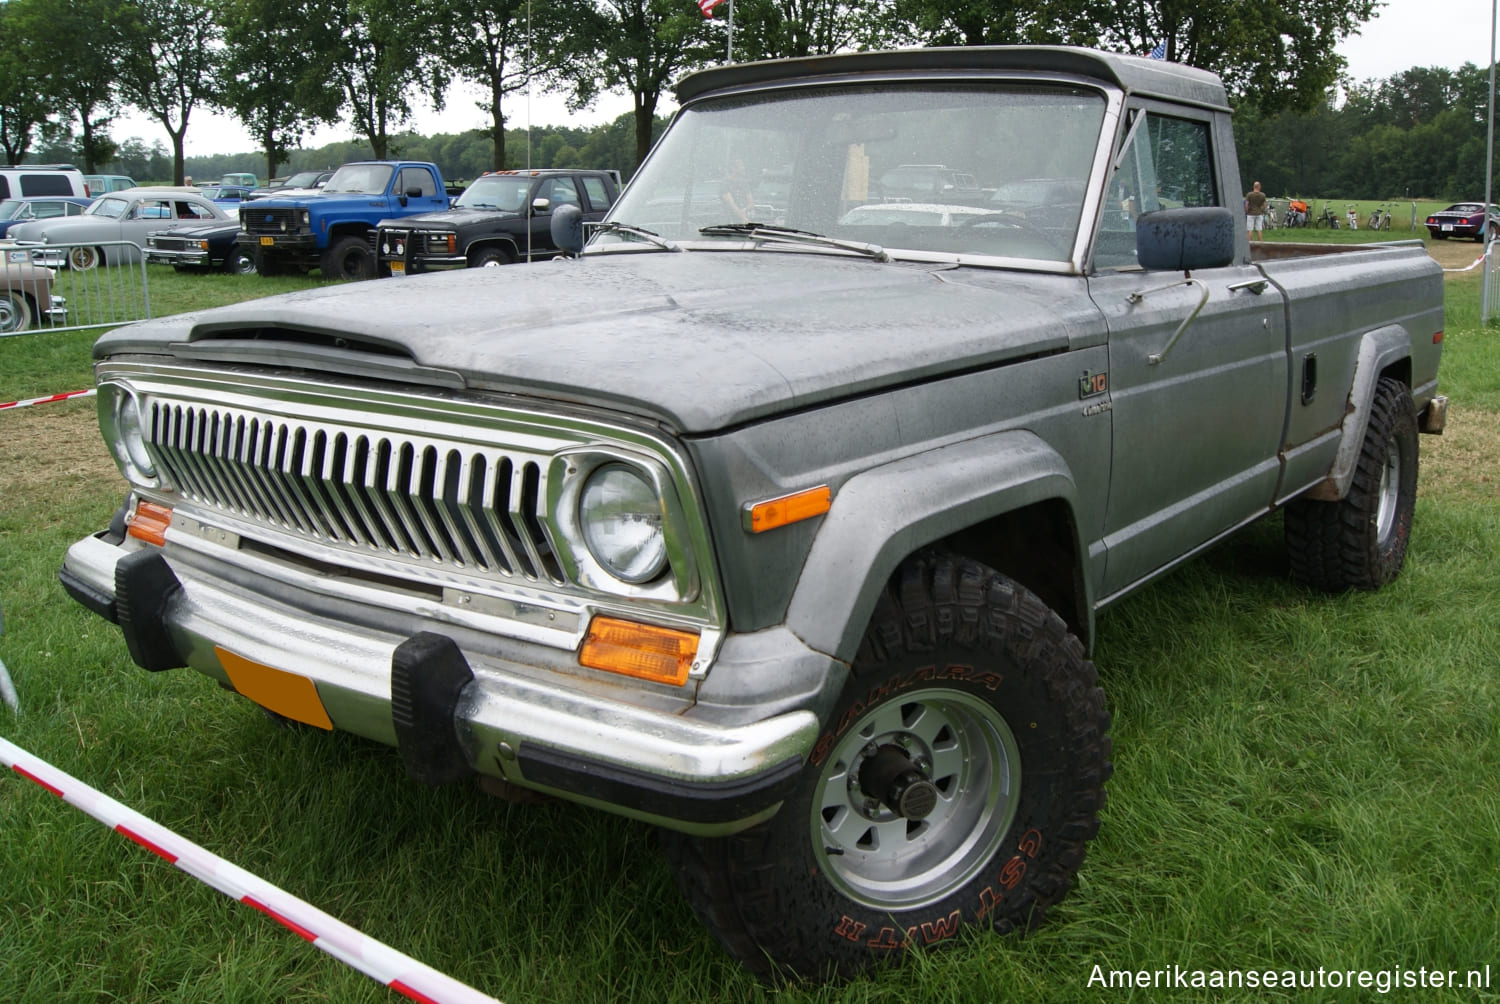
1255, 211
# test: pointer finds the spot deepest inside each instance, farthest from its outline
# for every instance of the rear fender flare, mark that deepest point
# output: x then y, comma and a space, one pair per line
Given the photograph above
881, 516
1378, 350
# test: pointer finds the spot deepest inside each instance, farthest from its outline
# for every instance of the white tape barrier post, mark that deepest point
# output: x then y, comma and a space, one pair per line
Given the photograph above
401, 973
50, 397
8, 691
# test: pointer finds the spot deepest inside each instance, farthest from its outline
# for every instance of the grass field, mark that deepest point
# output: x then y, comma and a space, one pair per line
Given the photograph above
1301, 781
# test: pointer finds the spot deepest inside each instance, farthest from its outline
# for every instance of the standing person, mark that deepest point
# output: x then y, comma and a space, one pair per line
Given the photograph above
1255, 211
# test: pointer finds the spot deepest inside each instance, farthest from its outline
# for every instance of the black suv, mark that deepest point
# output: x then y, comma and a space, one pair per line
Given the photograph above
501, 217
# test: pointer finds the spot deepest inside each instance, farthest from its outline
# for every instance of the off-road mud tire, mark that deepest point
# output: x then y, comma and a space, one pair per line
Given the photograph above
1359, 542
348, 258
949, 637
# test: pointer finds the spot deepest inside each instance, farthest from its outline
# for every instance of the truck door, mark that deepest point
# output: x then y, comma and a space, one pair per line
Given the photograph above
1197, 364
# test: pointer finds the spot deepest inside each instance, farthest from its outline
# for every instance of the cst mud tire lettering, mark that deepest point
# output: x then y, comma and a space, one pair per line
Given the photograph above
1360, 541
968, 683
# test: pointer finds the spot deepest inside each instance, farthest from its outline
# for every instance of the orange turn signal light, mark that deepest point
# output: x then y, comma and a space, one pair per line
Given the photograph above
149, 522
644, 651
794, 508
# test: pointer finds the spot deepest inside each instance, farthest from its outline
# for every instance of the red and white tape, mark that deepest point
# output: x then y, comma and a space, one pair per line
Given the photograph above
380, 962
50, 397
1467, 268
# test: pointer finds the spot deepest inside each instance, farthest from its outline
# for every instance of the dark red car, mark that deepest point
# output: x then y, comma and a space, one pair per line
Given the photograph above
1462, 219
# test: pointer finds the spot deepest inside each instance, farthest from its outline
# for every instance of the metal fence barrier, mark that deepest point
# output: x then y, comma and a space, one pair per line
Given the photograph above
64, 287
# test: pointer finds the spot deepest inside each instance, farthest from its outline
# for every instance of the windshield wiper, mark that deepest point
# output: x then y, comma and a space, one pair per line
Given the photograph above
768, 231
649, 236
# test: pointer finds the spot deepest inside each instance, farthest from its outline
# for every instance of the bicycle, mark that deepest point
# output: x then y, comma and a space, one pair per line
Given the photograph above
1327, 217
1380, 218
1271, 220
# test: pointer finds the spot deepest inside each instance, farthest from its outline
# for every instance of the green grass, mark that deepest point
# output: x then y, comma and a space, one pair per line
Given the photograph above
1301, 781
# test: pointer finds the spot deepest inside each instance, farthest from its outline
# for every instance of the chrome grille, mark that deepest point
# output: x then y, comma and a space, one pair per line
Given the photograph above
416, 499
268, 221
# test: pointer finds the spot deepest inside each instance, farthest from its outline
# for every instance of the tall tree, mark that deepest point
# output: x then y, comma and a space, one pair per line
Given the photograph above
999, 22
169, 68
86, 39
274, 74
1270, 55
784, 29
637, 45
24, 66
487, 43
387, 52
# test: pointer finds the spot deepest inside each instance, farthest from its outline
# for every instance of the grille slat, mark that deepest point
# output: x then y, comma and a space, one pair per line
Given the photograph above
424, 501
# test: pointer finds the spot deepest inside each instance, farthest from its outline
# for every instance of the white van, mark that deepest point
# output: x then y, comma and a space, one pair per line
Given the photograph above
31, 180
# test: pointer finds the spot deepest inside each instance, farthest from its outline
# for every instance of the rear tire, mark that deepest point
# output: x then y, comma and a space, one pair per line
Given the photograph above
15, 312
1359, 542
84, 258
348, 258
957, 785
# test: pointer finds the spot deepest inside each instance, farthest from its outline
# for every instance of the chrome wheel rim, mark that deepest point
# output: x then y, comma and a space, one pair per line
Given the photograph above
10, 317
1389, 492
965, 748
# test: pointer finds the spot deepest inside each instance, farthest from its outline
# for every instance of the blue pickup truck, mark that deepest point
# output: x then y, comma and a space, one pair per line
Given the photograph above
331, 230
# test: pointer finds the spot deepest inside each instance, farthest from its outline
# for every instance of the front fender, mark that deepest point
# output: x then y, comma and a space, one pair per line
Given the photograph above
884, 514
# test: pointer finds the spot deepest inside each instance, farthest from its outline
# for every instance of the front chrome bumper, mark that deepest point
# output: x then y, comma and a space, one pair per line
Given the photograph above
188, 259
516, 715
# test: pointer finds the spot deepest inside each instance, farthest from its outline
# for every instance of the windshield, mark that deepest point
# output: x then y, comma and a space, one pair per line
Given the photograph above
10, 207
915, 167
112, 208
496, 191
302, 179
362, 179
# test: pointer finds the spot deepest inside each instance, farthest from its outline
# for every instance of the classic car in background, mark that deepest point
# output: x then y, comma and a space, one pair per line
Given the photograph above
225, 195
26, 298
303, 182
100, 184
203, 249
17, 211
122, 216
1462, 219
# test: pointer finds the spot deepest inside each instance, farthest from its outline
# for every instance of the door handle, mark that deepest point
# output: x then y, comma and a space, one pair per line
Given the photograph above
1256, 286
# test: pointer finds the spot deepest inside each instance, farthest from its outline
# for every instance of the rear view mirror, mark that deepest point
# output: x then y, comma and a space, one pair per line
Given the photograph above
567, 229
1181, 240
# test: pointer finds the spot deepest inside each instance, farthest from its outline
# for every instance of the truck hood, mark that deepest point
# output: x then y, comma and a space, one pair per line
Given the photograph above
701, 340
451, 219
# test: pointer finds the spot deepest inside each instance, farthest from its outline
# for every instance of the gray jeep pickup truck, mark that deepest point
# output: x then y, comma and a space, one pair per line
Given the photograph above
770, 518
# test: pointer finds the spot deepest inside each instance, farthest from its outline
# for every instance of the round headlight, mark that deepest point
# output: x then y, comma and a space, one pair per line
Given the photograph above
621, 516
133, 436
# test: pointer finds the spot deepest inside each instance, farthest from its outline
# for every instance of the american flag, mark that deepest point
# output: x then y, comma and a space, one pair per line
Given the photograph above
1160, 52
707, 6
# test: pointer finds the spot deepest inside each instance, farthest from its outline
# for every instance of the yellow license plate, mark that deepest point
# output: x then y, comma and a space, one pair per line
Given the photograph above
287, 694
398, 268
267, 242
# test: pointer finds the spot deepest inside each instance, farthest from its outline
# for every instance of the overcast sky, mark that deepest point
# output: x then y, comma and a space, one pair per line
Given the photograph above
1406, 33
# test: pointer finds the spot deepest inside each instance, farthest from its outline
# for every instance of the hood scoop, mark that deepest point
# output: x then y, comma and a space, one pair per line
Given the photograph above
311, 349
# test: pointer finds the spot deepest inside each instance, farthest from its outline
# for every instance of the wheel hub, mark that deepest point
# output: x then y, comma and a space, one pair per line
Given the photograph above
895, 780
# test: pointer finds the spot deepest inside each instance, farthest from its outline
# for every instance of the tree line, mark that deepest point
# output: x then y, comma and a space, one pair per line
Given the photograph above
283, 67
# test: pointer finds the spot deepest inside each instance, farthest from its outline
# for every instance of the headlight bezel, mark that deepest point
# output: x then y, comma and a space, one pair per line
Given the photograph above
571, 471
124, 426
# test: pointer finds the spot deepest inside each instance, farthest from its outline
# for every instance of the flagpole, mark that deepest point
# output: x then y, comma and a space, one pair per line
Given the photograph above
730, 54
